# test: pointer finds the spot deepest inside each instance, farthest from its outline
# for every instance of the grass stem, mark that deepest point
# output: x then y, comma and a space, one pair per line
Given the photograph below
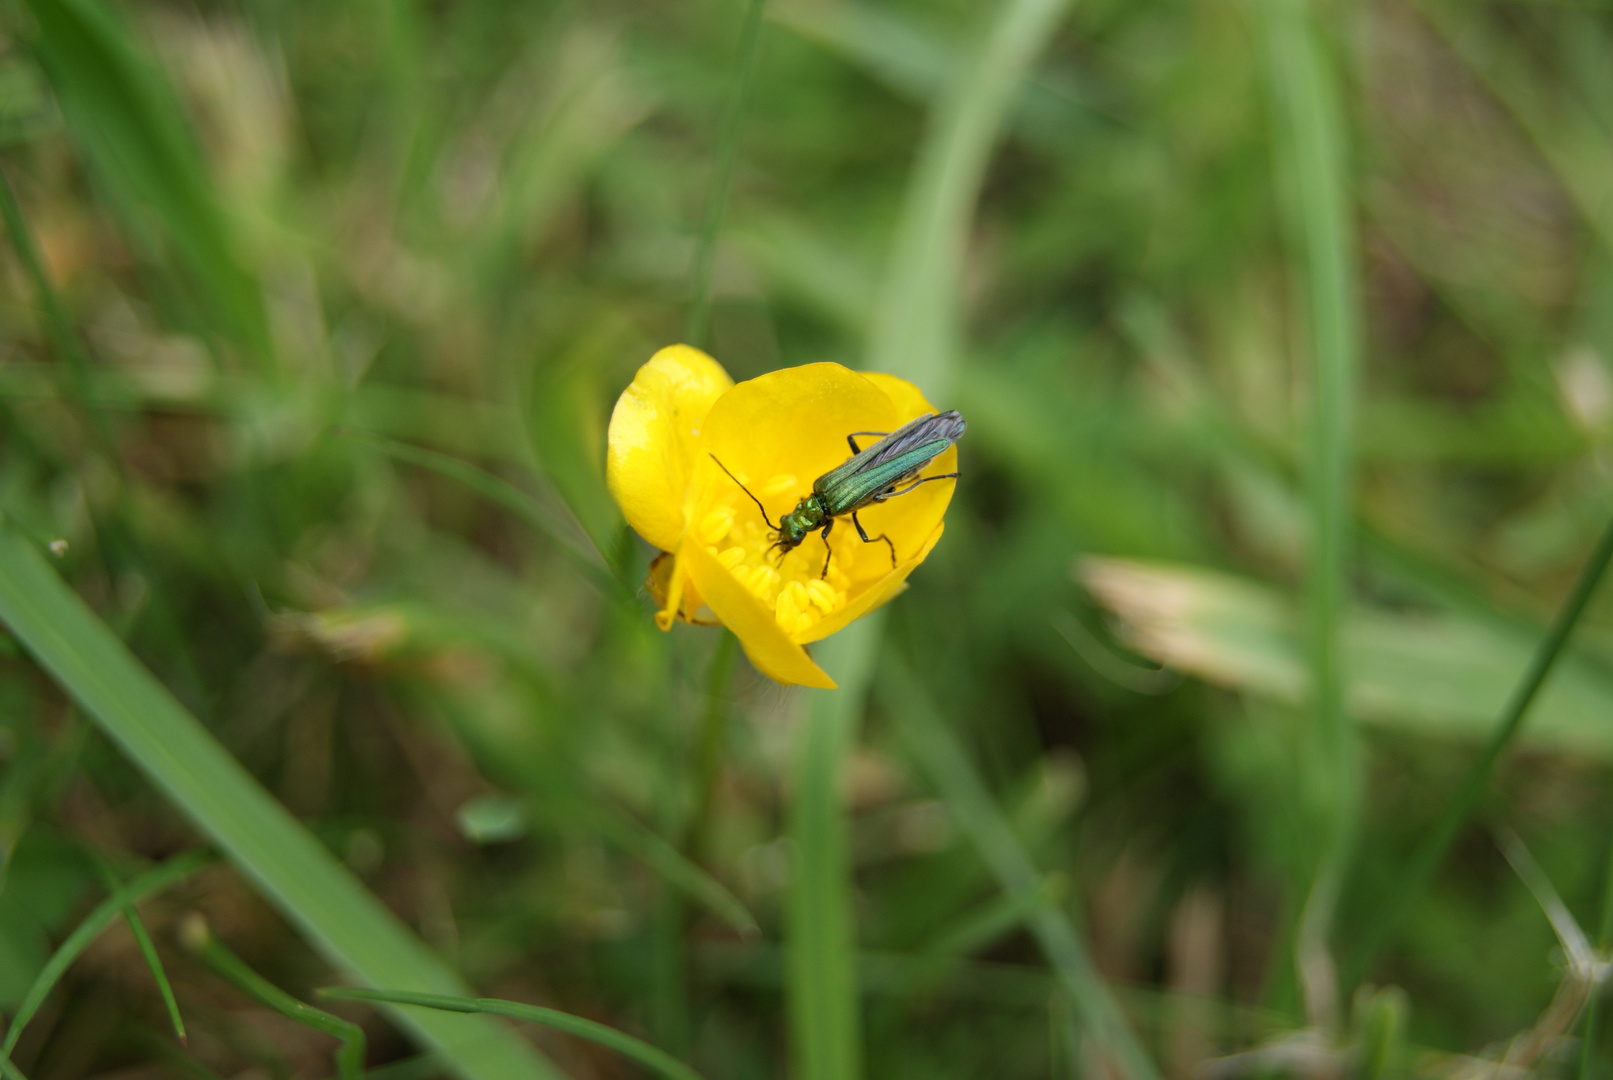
821, 986
199, 940
937, 752
1415, 878
705, 260
1309, 143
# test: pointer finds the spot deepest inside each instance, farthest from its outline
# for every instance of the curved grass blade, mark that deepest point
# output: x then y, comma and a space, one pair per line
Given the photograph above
152, 881
1309, 147
678, 870
148, 952
507, 495
291, 868
608, 1037
914, 324
198, 938
933, 746
750, 37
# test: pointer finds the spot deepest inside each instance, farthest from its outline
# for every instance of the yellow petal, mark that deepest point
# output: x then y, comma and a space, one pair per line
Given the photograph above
654, 439
789, 422
759, 633
876, 595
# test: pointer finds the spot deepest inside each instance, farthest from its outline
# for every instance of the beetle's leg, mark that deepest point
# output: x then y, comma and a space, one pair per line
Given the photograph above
891, 492
852, 439
829, 551
870, 539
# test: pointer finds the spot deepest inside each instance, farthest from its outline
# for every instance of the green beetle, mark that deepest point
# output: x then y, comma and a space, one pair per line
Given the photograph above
883, 471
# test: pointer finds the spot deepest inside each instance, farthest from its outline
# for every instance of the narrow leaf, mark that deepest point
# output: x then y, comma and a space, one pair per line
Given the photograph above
624, 1044
152, 881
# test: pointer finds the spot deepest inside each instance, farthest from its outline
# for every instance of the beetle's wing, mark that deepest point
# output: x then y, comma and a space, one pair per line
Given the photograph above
932, 433
897, 457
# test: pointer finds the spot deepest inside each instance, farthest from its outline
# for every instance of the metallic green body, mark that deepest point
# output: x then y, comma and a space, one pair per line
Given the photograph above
871, 475
850, 487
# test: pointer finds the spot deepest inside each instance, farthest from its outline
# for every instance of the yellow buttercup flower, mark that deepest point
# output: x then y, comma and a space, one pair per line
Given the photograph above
776, 434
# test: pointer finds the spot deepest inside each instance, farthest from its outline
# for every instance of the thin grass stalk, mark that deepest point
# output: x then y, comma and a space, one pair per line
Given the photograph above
148, 952
555, 527
1604, 938
705, 259
57, 325
636, 1049
1415, 878
155, 880
931, 742
709, 747
199, 939
821, 943
916, 324
1309, 145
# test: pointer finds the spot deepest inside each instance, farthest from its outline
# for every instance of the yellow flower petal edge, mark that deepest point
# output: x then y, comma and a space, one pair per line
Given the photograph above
654, 439
759, 633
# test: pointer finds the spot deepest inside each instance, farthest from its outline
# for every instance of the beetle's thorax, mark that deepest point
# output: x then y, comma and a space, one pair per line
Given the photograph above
807, 516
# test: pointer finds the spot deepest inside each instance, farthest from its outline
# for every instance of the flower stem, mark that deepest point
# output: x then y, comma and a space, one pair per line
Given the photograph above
821, 939
708, 750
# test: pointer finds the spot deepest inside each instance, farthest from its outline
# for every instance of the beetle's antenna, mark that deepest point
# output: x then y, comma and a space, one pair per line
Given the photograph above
746, 490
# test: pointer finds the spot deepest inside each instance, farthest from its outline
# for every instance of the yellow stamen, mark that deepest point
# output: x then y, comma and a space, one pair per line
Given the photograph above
716, 524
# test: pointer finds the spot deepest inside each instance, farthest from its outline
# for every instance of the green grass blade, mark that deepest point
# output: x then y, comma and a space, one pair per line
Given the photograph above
677, 870
1415, 878
937, 752
501, 491
152, 881
1309, 146
127, 123
626, 1045
750, 38
1604, 936
914, 324
293, 870
148, 952
57, 325
199, 939
10, 1070
821, 939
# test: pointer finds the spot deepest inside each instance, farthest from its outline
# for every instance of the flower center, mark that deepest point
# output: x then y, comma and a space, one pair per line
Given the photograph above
794, 587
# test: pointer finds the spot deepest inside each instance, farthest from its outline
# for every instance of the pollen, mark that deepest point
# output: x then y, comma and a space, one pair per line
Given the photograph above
730, 558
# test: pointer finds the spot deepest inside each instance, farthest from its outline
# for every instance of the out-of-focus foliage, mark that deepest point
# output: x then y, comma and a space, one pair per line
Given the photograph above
287, 236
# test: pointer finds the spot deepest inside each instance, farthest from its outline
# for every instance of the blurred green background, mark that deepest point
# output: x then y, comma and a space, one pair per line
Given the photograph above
1283, 333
